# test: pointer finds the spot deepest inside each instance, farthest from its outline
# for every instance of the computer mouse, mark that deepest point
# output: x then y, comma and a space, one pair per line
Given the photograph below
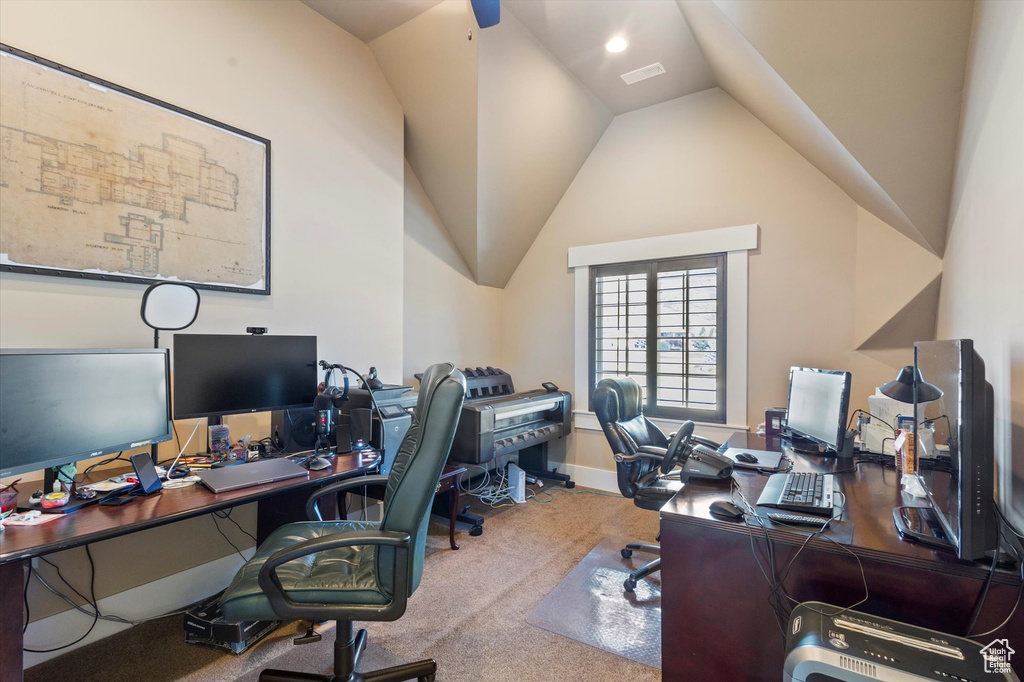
317, 464
727, 509
746, 457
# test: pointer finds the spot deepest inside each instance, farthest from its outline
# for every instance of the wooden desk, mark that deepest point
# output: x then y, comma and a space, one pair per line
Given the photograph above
18, 545
716, 620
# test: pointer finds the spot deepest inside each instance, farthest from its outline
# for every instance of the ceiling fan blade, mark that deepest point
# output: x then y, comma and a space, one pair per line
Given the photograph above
488, 12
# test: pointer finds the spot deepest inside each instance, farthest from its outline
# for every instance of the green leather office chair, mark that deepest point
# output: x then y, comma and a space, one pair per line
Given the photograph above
358, 570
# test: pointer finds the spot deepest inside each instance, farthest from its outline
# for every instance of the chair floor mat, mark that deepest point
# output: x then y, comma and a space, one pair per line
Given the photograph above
590, 605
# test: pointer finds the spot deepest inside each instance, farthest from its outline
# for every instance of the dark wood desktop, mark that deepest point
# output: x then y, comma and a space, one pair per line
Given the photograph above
717, 623
19, 544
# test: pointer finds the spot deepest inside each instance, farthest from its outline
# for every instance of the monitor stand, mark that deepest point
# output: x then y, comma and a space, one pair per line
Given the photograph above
919, 524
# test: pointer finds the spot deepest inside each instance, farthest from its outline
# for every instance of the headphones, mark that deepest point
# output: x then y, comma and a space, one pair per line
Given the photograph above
336, 395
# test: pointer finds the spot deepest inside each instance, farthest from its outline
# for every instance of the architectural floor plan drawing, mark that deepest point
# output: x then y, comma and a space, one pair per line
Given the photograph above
98, 181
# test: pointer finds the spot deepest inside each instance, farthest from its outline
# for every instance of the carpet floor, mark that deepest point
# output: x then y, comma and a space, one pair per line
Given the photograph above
469, 613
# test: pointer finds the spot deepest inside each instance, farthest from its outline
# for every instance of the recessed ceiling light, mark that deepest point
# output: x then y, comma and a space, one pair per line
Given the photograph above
616, 45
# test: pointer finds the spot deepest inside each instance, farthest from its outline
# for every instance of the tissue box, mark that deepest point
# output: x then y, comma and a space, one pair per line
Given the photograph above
878, 438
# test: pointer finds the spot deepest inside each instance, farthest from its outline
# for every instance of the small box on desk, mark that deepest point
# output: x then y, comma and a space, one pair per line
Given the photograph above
204, 624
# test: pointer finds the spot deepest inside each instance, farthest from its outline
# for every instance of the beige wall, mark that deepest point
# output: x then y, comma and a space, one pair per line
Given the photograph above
281, 71
537, 125
981, 295
447, 316
432, 67
696, 163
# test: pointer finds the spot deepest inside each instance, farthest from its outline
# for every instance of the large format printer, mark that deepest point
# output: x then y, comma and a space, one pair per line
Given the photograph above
498, 421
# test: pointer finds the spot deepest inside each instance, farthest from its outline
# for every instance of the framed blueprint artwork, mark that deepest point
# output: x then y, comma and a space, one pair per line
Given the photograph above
100, 182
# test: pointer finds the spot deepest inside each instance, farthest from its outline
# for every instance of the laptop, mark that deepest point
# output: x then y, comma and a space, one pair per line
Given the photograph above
767, 460
245, 475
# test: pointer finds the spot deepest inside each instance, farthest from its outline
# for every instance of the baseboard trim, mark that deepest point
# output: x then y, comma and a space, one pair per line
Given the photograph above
589, 477
145, 601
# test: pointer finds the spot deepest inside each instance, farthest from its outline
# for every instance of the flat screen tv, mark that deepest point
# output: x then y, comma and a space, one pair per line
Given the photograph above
958, 475
218, 374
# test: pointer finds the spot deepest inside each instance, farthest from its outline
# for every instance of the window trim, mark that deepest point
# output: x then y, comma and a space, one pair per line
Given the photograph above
735, 242
650, 270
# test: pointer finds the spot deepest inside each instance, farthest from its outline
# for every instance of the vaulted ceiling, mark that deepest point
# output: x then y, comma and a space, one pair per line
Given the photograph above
498, 125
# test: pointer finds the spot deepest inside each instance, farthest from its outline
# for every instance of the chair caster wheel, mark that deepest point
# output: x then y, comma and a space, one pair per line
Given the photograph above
626, 553
476, 530
629, 585
570, 484
426, 678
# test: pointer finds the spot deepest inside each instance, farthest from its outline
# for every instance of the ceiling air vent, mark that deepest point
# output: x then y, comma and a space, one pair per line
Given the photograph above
655, 69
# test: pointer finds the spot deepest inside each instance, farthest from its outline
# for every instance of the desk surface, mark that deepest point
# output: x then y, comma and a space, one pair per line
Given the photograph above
95, 522
871, 492
716, 616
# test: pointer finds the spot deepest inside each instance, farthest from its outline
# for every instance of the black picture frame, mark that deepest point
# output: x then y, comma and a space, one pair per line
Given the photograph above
257, 255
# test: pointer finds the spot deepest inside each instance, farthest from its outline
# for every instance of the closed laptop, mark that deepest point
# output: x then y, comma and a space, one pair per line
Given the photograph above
245, 475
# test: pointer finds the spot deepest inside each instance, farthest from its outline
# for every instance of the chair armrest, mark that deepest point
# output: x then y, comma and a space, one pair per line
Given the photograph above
643, 452
313, 513
286, 608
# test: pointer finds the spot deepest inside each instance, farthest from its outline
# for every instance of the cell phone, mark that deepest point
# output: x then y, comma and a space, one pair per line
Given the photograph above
145, 471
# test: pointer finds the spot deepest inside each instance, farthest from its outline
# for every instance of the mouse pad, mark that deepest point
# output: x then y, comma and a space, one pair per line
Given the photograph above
838, 531
767, 460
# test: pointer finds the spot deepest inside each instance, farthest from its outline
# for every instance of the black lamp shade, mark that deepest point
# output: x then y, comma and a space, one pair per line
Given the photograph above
902, 388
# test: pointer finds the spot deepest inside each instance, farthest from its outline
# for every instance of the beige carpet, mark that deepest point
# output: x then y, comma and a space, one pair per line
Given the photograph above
469, 613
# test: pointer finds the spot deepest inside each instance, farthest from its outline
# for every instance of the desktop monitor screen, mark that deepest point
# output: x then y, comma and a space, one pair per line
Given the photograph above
216, 374
957, 473
61, 406
818, 403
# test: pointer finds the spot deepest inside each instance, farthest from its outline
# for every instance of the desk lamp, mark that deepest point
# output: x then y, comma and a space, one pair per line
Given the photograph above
170, 306
902, 387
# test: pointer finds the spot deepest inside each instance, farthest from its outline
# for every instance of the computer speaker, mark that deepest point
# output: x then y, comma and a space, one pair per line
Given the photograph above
293, 430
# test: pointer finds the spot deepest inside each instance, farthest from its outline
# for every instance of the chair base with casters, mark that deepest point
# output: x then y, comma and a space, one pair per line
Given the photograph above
347, 650
654, 491
639, 574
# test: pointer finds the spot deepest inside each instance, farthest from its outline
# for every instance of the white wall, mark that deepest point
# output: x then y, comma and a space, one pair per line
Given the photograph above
279, 70
696, 163
982, 294
447, 316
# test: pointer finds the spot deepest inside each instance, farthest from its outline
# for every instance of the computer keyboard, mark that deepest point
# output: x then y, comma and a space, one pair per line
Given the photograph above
807, 492
803, 489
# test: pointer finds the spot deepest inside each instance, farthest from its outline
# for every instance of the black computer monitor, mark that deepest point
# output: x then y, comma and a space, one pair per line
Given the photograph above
819, 401
958, 474
219, 374
61, 406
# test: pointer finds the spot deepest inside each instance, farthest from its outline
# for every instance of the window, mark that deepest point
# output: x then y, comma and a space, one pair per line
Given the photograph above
663, 323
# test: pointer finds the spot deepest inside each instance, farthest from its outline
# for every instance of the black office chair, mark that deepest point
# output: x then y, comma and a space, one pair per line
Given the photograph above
643, 456
357, 570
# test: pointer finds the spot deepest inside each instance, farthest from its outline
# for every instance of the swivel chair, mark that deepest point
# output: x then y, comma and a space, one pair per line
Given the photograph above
640, 449
357, 570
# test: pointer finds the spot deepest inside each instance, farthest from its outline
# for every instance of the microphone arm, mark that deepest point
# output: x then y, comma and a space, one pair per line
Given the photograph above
324, 365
